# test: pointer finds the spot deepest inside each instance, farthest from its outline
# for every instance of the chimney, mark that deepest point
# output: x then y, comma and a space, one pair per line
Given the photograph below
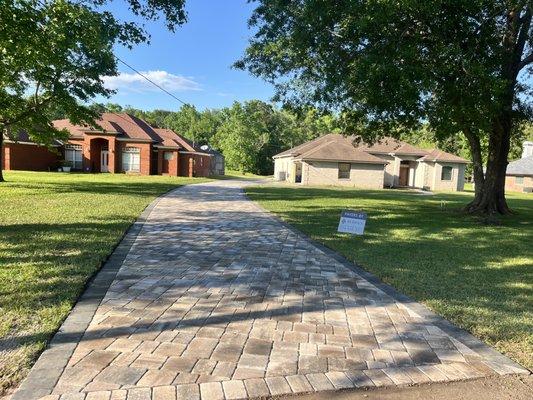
527, 149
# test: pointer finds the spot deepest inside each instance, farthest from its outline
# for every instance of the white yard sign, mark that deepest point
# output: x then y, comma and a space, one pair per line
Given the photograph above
352, 222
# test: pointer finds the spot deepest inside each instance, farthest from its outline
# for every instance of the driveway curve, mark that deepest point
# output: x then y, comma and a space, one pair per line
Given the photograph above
214, 298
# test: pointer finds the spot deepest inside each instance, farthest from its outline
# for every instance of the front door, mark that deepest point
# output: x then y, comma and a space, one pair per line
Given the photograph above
104, 161
404, 175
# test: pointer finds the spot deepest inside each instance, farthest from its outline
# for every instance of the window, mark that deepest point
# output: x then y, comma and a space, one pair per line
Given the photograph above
131, 159
73, 154
344, 170
446, 174
519, 180
168, 155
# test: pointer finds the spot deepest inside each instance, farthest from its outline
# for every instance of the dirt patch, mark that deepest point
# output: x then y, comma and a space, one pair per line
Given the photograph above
511, 387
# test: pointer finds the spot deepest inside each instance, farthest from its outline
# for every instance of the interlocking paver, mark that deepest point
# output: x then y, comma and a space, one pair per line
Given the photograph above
217, 297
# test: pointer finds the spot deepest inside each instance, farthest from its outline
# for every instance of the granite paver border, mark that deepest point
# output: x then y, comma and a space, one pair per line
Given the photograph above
49, 366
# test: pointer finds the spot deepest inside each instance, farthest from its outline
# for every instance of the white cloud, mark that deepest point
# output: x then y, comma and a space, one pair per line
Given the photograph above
135, 83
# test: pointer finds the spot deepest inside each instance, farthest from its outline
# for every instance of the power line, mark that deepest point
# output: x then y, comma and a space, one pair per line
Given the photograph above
151, 81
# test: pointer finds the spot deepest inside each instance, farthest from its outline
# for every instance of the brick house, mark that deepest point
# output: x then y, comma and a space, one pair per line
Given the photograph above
519, 173
335, 160
121, 143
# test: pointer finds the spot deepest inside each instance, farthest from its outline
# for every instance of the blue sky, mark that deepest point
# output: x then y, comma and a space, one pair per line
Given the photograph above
194, 62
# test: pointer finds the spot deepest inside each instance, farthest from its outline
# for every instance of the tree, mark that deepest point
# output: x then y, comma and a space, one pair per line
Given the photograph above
250, 134
389, 66
53, 55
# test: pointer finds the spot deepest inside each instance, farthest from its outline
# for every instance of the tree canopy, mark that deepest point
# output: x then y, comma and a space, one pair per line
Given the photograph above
390, 66
54, 54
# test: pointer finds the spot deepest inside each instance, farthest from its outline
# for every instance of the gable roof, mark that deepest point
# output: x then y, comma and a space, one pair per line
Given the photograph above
302, 148
336, 147
437, 155
524, 166
331, 147
121, 124
340, 150
389, 145
126, 126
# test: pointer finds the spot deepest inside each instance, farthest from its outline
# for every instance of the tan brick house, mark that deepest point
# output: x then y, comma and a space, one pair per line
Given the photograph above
120, 143
338, 160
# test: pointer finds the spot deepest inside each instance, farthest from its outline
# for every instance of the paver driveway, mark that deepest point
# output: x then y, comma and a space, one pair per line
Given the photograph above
216, 298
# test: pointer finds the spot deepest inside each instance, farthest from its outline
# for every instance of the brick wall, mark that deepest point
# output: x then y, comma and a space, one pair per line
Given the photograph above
29, 157
326, 173
194, 164
145, 156
512, 185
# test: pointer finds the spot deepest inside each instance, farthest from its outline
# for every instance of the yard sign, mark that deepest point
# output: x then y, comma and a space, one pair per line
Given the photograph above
352, 222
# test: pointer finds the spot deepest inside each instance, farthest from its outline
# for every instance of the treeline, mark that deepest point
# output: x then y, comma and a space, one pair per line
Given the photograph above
250, 133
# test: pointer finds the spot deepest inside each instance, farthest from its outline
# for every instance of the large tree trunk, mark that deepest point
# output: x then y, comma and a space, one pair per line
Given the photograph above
490, 193
477, 160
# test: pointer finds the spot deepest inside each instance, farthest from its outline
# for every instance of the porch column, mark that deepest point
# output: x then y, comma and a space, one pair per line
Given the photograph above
87, 167
112, 147
191, 167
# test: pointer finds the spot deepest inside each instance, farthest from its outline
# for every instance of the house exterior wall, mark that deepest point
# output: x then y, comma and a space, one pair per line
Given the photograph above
145, 157
194, 164
29, 157
173, 163
512, 185
283, 169
326, 173
455, 184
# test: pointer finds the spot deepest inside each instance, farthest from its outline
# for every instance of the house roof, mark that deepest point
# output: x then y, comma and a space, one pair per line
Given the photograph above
524, 166
331, 147
340, 150
122, 124
302, 148
389, 145
437, 155
127, 126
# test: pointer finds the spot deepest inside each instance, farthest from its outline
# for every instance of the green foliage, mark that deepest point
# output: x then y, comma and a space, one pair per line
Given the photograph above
57, 229
54, 53
387, 64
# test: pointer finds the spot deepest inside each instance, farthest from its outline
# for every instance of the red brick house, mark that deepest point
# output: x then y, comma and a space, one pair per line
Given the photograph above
121, 143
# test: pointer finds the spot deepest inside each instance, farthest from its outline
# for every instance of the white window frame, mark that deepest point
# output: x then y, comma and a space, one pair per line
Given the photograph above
74, 155
451, 173
339, 171
519, 180
131, 159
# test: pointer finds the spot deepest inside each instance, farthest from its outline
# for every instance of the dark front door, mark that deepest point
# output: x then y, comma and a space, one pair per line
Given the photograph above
404, 175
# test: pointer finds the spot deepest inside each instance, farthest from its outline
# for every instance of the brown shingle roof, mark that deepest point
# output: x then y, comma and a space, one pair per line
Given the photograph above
172, 139
124, 124
388, 145
340, 150
302, 148
436, 155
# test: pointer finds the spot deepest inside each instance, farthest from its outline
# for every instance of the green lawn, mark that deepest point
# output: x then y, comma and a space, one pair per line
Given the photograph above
478, 276
55, 229
234, 174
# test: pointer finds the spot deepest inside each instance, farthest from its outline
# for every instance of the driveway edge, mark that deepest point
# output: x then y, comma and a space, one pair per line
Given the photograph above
46, 371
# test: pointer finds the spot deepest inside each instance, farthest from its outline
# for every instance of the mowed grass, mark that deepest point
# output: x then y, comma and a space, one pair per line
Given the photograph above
55, 230
480, 277
234, 174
